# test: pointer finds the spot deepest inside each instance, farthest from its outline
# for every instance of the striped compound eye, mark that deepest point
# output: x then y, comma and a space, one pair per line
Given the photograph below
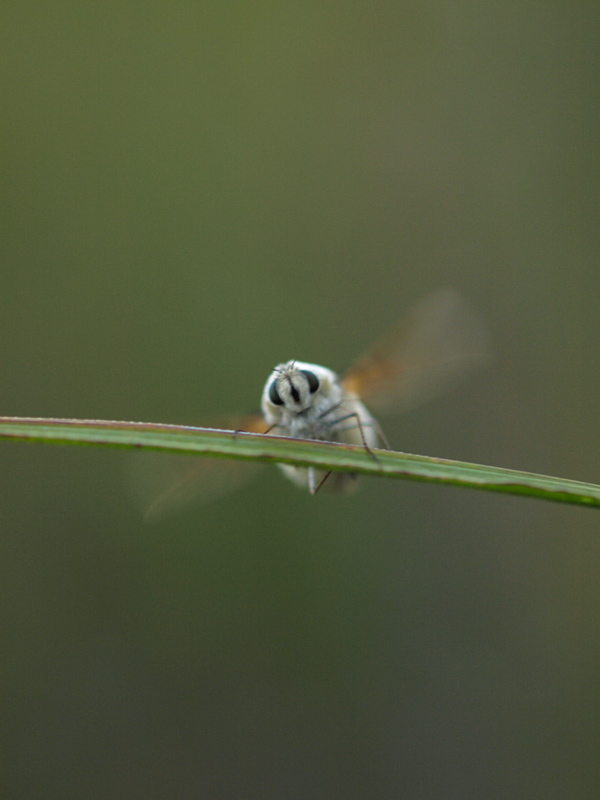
274, 395
313, 381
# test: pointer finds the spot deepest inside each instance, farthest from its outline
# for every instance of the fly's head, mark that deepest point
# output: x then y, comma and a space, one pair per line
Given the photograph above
295, 391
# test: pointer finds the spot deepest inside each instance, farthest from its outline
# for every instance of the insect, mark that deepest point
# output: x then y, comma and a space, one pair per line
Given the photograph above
307, 401
440, 339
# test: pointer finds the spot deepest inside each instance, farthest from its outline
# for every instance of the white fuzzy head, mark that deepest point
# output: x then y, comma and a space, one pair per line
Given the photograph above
295, 390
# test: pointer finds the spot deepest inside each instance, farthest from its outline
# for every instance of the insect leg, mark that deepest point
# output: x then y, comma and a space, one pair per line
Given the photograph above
334, 407
359, 425
321, 482
380, 433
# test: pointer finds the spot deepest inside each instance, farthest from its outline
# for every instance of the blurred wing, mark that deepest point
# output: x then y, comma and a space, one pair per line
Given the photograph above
441, 339
162, 484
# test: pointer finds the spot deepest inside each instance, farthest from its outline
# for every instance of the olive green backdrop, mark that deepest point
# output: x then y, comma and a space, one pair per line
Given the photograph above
193, 192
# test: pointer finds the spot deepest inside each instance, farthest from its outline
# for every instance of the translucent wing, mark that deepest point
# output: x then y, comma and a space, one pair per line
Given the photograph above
163, 483
442, 338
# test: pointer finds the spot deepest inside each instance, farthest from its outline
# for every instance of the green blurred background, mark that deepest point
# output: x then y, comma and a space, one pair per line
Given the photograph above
194, 192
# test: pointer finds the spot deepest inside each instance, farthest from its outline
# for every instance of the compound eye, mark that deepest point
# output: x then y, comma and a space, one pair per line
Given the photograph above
313, 381
274, 395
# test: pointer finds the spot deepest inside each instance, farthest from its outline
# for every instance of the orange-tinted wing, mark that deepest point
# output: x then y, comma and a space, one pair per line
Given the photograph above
164, 483
442, 338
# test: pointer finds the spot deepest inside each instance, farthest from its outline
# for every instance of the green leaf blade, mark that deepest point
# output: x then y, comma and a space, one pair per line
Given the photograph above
300, 452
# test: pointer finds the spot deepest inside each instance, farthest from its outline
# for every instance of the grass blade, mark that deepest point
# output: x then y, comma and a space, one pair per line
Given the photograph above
323, 455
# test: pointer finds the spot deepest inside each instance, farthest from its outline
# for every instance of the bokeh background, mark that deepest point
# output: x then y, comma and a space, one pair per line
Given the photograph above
193, 192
